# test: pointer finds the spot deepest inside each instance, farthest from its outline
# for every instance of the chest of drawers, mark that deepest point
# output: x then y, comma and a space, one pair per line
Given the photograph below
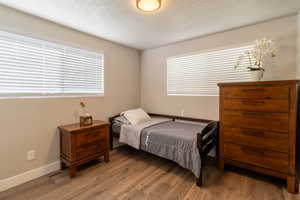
258, 127
80, 144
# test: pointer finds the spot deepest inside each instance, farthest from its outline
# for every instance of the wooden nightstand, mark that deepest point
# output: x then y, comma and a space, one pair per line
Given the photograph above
80, 144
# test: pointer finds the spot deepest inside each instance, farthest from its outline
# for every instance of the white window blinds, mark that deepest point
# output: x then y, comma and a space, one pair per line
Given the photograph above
33, 67
199, 74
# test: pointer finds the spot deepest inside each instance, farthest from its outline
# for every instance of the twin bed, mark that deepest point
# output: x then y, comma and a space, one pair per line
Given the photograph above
186, 141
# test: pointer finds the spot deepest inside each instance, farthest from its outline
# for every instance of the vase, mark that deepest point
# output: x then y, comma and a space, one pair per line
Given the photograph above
257, 75
84, 113
85, 118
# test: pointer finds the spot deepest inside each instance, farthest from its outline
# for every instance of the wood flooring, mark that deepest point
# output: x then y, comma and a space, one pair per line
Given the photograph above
136, 175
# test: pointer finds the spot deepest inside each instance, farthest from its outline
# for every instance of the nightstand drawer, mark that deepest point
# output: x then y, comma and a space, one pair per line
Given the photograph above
90, 136
258, 157
257, 138
90, 149
256, 92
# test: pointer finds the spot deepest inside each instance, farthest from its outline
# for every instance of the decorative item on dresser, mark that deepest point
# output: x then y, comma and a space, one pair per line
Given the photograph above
85, 117
256, 57
80, 144
258, 127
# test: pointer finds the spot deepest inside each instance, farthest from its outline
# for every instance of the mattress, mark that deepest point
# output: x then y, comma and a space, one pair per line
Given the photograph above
173, 140
176, 141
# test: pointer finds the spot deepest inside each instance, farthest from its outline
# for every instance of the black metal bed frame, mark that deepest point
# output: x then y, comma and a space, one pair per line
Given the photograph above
207, 139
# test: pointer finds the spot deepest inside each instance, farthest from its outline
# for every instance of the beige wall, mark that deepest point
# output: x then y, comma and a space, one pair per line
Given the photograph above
30, 124
298, 48
153, 65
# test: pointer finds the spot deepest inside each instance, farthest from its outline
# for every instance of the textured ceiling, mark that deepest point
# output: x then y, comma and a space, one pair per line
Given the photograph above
121, 22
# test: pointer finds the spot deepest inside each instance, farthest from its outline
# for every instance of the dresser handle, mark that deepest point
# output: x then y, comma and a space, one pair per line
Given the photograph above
252, 150
253, 114
254, 90
249, 102
254, 133
92, 134
95, 144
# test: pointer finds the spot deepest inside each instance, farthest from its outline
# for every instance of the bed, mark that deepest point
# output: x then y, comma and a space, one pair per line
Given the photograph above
186, 141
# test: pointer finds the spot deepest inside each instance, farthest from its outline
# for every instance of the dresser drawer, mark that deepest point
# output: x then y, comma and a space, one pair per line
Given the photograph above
90, 149
278, 122
264, 105
256, 92
90, 136
255, 156
256, 138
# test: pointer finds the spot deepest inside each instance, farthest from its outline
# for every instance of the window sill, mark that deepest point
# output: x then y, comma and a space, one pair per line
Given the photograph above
194, 95
49, 96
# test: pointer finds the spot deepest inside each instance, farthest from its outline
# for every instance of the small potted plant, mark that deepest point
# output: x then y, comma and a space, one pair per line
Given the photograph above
256, 57
85, 117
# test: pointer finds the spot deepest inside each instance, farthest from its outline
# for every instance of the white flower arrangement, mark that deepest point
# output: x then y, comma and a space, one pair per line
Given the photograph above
256, 56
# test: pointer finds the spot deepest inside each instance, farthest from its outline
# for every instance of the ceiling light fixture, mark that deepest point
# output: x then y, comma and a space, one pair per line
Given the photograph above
148, 5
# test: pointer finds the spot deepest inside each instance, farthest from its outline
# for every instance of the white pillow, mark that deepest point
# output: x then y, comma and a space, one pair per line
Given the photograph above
122, 120
136, 116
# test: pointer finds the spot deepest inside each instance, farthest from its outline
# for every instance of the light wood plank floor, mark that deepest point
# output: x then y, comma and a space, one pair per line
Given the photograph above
137, 175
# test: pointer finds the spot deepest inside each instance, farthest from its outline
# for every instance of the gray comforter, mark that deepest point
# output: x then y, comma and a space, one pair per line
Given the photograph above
176, 141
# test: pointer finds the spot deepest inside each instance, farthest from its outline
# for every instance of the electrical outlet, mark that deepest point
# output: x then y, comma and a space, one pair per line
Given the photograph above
182, 112
31, 155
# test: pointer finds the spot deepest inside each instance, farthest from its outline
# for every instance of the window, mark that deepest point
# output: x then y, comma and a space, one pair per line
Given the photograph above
32, 67
199, 74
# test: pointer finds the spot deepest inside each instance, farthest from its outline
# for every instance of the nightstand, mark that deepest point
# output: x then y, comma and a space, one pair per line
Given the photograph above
80, 144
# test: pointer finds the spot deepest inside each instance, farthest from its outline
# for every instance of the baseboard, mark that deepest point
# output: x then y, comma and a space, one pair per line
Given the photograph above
19, 179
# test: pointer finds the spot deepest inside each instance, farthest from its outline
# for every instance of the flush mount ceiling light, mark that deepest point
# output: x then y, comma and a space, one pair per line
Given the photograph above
148, 5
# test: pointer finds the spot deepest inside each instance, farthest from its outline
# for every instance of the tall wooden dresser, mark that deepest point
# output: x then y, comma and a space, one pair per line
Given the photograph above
258, 127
